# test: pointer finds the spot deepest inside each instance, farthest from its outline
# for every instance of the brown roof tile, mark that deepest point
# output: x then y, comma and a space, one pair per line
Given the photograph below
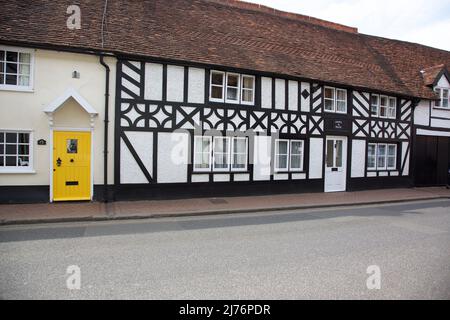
228, 33
430, 74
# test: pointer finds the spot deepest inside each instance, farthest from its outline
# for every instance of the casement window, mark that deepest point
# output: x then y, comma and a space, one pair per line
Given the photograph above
288, 155
16, 69
202, 153
239, 153
383, 106
391, 156
16, 151
248, 90
220, 154
444, 98
335, 100
233, 84
232, 88
381, 156
374, 105
372, 156
217, 86
392, 108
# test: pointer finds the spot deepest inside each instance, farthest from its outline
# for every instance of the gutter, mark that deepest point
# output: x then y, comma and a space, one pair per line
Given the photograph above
106, 122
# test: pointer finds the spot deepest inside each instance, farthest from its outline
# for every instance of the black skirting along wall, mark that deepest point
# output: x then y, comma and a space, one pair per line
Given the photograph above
41, 194
215, 189
24, 194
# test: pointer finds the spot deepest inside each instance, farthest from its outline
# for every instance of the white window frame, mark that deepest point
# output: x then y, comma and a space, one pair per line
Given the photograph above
395, 157
196, 138
375, 157
211, 85
242, 89
11, 87
338, 100
383, 106
390, 108
227, 153
20, 169
386, 156
387, 106
238, 88
440, 90
230, 159
377, 105
288, 167
301, 155
277, 168
232, 153
335, 100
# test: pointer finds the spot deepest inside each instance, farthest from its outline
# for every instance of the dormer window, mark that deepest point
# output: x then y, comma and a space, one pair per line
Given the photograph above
16, 69
444, 98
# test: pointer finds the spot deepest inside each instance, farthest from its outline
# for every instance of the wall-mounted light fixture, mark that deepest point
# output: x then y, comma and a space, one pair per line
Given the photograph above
76, 75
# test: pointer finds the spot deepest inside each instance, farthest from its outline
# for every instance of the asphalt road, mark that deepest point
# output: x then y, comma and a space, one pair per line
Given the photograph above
302, 254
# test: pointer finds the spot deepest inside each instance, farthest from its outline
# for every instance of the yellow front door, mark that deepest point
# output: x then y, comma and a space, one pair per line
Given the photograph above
71, 165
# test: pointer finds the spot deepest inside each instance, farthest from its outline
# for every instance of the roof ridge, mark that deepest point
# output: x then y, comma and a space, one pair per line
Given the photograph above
285, 14
407, 42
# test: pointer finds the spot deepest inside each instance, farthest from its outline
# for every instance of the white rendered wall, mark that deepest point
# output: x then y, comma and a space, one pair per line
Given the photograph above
142, 142
293, 95
358, 158
153, 81
262, 156
404, 149
173, 151
175, 83
305, 102
280, 94
266, 92
52, 77
315, 158
422, 113
443, 82
196, 85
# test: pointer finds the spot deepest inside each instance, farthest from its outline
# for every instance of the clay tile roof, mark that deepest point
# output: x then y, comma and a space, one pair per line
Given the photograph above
430, 74
228, 33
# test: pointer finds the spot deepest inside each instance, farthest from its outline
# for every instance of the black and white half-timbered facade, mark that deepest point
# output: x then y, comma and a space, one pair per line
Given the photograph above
182, 98
432, 131
198, 130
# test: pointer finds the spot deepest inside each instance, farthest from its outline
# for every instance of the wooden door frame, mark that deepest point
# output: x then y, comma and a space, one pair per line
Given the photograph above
91, 171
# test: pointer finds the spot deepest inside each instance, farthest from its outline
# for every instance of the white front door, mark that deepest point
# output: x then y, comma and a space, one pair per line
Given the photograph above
335, 164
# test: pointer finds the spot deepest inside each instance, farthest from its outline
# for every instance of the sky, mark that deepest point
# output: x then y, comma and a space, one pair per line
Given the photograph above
421, 21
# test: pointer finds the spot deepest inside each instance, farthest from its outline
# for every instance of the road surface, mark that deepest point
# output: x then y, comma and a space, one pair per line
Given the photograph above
301, 254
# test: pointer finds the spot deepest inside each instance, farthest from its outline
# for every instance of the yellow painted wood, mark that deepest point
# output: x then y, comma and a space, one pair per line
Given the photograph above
72, 177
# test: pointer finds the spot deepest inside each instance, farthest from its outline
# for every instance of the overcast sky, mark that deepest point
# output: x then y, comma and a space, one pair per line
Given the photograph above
421, 21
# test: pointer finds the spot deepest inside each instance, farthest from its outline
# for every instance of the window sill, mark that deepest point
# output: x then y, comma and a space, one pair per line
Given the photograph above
16, 89
334, 112
221, 172
216, 100
17, 171
382, 118
288, 171
230, 104
442, 108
